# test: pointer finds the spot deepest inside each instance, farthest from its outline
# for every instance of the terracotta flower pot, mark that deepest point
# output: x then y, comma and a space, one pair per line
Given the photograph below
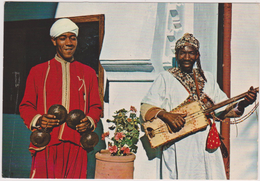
114, 167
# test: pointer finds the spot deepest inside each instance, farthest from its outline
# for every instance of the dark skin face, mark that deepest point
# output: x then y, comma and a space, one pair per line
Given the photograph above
66, 45
186, 57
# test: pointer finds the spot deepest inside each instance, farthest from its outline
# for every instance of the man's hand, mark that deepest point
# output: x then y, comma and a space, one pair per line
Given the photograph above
48, 120
249, 99
175, 121
85, 125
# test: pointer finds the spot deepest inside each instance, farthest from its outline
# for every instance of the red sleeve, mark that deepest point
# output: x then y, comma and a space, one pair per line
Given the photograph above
28, 107
95, 108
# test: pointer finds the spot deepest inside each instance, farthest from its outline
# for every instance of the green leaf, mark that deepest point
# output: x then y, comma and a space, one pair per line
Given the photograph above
129, 142
134, 140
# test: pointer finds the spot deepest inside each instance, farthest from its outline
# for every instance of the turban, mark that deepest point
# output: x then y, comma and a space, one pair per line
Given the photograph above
187, 39
63, 25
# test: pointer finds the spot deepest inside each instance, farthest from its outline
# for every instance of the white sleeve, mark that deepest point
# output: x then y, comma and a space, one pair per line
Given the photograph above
156, 94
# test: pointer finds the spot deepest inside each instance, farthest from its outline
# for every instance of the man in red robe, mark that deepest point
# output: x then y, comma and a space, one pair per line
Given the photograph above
64, 81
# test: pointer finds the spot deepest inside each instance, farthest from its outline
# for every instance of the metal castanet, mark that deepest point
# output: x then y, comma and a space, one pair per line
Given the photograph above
74, 117
59, 111
41, 137
88, 139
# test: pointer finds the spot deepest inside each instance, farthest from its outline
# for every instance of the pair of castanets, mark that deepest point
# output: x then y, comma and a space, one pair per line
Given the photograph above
41, 137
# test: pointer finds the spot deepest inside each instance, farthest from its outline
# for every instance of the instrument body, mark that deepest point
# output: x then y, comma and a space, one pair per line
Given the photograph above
158, 132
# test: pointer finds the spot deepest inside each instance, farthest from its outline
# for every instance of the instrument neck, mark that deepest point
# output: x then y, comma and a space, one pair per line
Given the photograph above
228, 101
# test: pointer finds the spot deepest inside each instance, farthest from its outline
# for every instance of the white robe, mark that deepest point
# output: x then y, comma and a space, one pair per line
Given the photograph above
186, 158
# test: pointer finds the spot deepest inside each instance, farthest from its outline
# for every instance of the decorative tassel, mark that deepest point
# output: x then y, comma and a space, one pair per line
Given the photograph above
213, 140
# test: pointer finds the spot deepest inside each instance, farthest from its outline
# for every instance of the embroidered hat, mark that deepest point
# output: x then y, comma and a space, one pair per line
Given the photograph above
62, 26
187, 39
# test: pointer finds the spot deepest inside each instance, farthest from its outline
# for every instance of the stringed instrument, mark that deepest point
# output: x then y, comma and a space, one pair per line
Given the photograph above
159, 133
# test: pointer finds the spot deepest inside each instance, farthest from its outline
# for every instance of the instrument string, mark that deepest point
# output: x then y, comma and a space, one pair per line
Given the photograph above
160, 131
236, 121
187, 118
192, 116
160, 127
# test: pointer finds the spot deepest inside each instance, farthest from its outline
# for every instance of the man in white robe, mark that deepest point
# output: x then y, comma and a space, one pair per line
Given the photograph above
188, 157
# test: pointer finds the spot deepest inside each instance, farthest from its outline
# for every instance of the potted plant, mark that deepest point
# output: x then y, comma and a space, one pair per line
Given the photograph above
117, 162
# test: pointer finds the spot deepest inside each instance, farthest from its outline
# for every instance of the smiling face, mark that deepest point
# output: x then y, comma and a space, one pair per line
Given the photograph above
66, 45
186, 57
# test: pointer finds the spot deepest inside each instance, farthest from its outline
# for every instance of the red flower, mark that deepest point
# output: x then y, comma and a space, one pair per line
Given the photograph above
125, 150
119, 136
106, 134
129, 120
112, 149
132, 108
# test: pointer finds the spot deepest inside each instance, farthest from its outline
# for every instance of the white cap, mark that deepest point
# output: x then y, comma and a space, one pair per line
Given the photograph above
63, 25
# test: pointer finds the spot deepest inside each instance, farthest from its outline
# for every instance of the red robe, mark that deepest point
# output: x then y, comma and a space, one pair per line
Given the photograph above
73, 85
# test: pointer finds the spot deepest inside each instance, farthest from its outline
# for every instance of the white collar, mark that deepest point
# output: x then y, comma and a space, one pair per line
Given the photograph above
61, 60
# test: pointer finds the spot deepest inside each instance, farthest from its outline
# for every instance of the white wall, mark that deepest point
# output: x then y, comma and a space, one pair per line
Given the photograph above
206, 30
245, 73
129, 27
